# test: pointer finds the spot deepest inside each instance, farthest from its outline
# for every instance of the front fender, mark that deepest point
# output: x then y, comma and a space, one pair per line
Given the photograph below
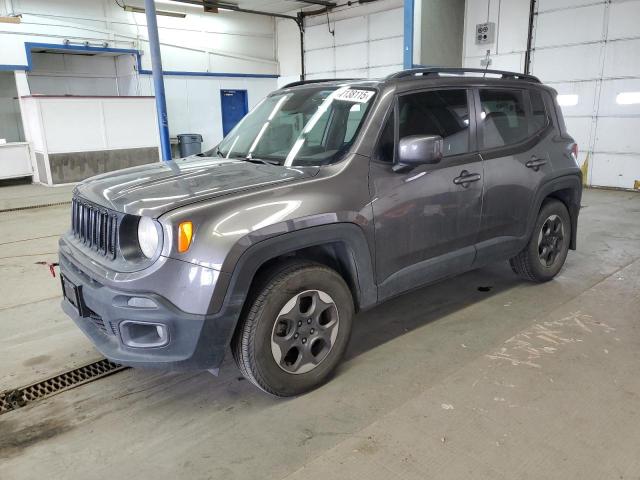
232, 290
249, 255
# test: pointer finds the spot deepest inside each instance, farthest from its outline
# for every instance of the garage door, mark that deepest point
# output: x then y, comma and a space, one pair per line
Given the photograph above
588, 51
367, 46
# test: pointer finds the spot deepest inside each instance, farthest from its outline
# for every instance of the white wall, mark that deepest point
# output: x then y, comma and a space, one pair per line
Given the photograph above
127, 76
10, 122
193, 103
512, 20
227, 42
288, 53
367, 42
67, 74
15, 160
607, 36
439, 40
86, 124
79, 124
223, 42
581, 47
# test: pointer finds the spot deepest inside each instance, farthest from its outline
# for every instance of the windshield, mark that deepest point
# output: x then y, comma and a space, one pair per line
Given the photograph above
310, 126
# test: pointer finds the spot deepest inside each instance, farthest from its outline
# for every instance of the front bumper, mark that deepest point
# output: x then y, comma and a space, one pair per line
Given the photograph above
194, 341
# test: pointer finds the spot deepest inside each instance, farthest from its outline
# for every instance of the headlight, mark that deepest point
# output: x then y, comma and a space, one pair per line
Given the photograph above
148, 237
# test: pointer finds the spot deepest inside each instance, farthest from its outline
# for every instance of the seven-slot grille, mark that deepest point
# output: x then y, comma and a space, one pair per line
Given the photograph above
95, 227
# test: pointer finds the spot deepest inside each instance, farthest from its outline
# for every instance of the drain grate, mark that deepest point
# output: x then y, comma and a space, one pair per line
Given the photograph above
20, 397
30, 207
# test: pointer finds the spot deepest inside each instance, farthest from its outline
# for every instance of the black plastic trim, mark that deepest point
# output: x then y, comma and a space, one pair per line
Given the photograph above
571, 182
250, 259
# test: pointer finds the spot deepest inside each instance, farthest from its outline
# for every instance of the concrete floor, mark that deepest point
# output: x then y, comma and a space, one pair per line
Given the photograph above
522, 381
19, 194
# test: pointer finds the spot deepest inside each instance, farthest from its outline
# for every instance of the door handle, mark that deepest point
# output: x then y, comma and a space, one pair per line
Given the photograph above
535, 163
466, 178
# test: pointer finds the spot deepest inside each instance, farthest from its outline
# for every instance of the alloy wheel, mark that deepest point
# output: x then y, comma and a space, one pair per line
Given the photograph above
305, 331
550, 240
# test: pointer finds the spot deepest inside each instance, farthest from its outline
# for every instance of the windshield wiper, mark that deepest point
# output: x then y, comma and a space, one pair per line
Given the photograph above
258, 160
248, 158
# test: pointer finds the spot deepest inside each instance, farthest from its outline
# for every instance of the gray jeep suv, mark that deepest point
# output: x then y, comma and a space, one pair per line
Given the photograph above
328, 198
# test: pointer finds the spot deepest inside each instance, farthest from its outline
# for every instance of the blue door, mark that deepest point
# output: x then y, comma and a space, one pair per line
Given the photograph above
234, 107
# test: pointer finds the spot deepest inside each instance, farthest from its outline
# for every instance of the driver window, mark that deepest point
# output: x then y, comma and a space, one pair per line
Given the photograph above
437, 112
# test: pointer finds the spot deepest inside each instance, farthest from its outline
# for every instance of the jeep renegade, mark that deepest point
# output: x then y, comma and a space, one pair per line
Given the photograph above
328, 198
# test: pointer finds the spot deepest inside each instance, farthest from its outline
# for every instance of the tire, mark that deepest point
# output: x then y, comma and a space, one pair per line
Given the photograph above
546, 252
298, 302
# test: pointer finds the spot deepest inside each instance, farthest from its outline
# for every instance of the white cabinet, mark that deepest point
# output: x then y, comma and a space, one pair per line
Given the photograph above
15, 160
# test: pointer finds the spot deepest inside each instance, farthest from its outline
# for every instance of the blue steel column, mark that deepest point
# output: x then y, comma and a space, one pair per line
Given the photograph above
408, 34
158, 83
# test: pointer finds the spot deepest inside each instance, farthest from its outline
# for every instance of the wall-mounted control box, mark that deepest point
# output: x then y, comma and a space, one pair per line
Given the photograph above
485, 33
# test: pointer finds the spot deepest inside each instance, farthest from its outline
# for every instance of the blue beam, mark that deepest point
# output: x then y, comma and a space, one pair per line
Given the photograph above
408, 34
158, 83
29, 46
11, 68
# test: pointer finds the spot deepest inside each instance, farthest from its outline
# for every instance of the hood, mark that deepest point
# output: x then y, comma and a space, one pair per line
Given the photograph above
155, 189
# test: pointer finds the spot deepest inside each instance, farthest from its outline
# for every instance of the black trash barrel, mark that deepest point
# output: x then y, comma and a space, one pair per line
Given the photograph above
189, 144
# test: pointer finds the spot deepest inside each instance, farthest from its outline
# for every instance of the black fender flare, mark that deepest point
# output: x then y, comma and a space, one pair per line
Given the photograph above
232, 289
573, 183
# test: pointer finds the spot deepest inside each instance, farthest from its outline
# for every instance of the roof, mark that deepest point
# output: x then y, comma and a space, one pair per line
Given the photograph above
433, 75
453, 72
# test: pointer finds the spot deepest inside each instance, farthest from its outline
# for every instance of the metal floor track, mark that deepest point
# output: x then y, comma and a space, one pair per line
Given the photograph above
21, 397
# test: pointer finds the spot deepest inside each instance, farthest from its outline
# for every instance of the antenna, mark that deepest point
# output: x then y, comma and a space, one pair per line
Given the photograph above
487, 62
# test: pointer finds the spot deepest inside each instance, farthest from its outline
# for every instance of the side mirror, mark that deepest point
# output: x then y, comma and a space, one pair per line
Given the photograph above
419, 150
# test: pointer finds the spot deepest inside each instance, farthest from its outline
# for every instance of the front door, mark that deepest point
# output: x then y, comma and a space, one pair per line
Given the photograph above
234, 107
426, 219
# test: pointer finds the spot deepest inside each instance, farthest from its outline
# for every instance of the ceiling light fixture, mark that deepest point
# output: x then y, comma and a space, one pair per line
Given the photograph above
215, 7
129, 8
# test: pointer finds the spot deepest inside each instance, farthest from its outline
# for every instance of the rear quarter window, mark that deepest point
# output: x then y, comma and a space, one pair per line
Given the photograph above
539, 113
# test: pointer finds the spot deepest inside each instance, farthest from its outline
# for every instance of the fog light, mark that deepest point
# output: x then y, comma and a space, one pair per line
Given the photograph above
143, 335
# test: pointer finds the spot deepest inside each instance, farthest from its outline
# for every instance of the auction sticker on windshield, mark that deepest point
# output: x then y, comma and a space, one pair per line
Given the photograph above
352, 95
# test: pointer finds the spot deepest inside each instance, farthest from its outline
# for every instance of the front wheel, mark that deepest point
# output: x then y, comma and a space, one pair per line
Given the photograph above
544, 255
296, 329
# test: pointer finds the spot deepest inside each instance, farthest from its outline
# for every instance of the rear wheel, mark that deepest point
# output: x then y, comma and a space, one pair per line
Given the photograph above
296, 329
546, 252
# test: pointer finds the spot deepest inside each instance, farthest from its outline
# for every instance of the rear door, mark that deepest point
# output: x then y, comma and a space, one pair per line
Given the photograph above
426, 219
514, 135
